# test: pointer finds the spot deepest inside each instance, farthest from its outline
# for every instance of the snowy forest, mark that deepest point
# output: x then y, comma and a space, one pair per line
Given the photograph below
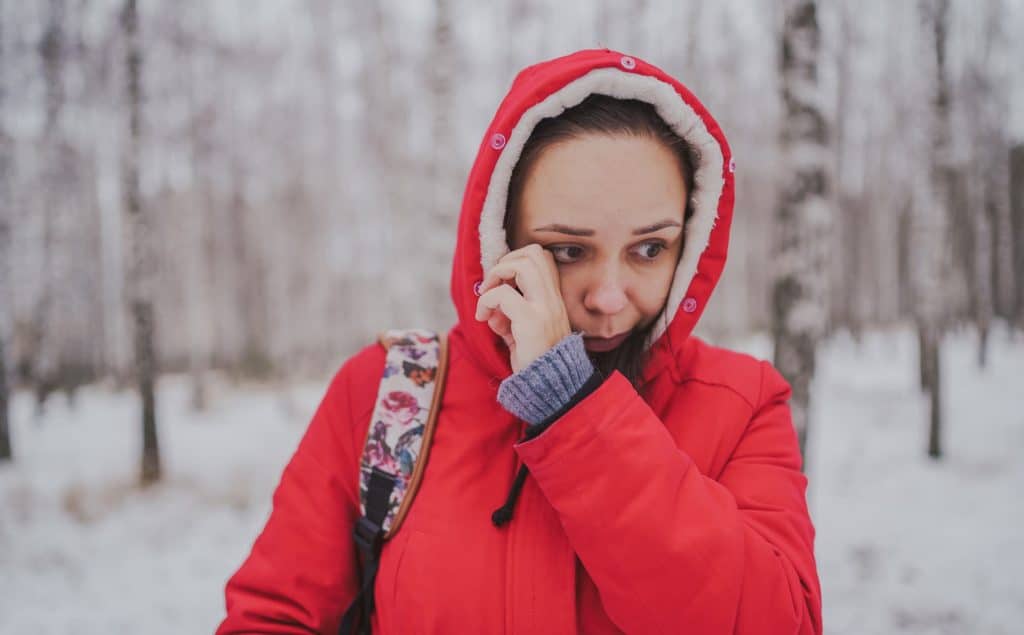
205, 208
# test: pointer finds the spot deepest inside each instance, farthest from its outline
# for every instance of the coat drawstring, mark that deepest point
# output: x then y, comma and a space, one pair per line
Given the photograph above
504, 513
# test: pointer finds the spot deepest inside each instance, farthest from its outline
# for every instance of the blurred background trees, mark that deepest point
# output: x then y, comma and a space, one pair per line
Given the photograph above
299, 165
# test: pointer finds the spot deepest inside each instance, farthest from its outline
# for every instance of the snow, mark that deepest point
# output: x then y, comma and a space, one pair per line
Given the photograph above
82, 550
904, 544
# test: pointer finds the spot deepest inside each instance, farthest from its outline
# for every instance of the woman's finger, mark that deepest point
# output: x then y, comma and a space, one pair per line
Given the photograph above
543, 262
499, 323
499, 273
552, 267
523, 273
502, 326
507, 299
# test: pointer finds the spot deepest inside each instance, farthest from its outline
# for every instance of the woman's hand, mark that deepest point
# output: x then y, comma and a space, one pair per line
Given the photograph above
528, 314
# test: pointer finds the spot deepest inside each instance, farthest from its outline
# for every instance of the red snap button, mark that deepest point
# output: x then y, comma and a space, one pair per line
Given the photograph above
689, 305
628, 62
476, 286
497, 141
732, 165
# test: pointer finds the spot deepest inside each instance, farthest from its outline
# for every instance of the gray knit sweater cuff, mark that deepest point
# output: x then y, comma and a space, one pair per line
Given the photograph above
549, 382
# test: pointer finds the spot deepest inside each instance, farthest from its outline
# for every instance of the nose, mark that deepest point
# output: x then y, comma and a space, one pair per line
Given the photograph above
607, 295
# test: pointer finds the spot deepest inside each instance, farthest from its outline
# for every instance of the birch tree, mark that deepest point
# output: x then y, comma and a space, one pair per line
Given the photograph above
994, 68
445, 193
6, 452
6, 213
199, 135
385, 116
799, 303
929, 221
1017, 225
52, 55
332, 205
141, 266
982, 204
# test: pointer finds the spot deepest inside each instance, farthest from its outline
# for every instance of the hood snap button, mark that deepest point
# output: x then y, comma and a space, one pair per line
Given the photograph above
497, 141
628, 62
476, 286
689, 305
732, 165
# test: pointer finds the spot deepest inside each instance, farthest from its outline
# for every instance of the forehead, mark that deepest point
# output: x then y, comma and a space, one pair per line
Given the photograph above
600, 180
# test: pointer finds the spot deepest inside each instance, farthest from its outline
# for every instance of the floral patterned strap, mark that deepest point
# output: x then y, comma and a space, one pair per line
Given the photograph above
402, 425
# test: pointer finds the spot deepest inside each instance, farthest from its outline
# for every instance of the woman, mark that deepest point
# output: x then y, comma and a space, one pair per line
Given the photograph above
665, 491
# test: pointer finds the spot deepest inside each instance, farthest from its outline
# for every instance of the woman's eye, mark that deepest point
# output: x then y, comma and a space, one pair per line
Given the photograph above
566, 253
650, 251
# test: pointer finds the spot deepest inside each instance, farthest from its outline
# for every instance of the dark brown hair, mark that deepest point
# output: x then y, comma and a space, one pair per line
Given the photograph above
602, 114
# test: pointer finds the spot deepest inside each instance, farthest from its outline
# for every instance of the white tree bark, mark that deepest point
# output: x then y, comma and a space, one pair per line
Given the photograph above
6, 297
929, 223
803, 215
141, 271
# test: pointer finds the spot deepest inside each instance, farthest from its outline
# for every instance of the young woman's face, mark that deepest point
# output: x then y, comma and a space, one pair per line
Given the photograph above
610, 209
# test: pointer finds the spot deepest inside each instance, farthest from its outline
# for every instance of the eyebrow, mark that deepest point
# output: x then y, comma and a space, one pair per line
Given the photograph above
579, 231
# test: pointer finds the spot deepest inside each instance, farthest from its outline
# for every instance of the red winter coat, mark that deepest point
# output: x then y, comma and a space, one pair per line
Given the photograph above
676, 509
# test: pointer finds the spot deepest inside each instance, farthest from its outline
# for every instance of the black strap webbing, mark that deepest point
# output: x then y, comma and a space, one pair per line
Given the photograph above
369, 537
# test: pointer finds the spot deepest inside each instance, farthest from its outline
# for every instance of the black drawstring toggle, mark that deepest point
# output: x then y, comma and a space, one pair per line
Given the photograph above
504, 513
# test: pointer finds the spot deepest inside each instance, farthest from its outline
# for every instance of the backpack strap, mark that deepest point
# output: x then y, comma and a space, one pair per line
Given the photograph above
396, 450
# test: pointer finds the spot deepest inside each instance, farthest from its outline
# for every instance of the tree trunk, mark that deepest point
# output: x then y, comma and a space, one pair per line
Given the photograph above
985, 105
931, 366
141, 268
145, 368
384, 117
847, 273
197, 268
52, 53
904, 241
1017, 225
983, 333
333, 208
932, 209
799, 302
996, 105
443, 179
980, 267
6, 452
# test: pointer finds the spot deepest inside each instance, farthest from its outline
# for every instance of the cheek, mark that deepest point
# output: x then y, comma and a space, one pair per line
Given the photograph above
571, 289
574, 288
652, 293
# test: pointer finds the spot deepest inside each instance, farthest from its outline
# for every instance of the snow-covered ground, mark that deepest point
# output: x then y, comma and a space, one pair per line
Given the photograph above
905, 544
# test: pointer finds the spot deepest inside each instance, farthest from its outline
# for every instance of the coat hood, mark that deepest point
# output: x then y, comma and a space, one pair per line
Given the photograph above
545, 90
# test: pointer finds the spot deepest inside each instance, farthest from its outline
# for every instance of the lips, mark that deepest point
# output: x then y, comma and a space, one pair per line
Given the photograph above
602, 344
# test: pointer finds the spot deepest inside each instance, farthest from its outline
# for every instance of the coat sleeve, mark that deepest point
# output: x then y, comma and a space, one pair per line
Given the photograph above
302, 571
668, 547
